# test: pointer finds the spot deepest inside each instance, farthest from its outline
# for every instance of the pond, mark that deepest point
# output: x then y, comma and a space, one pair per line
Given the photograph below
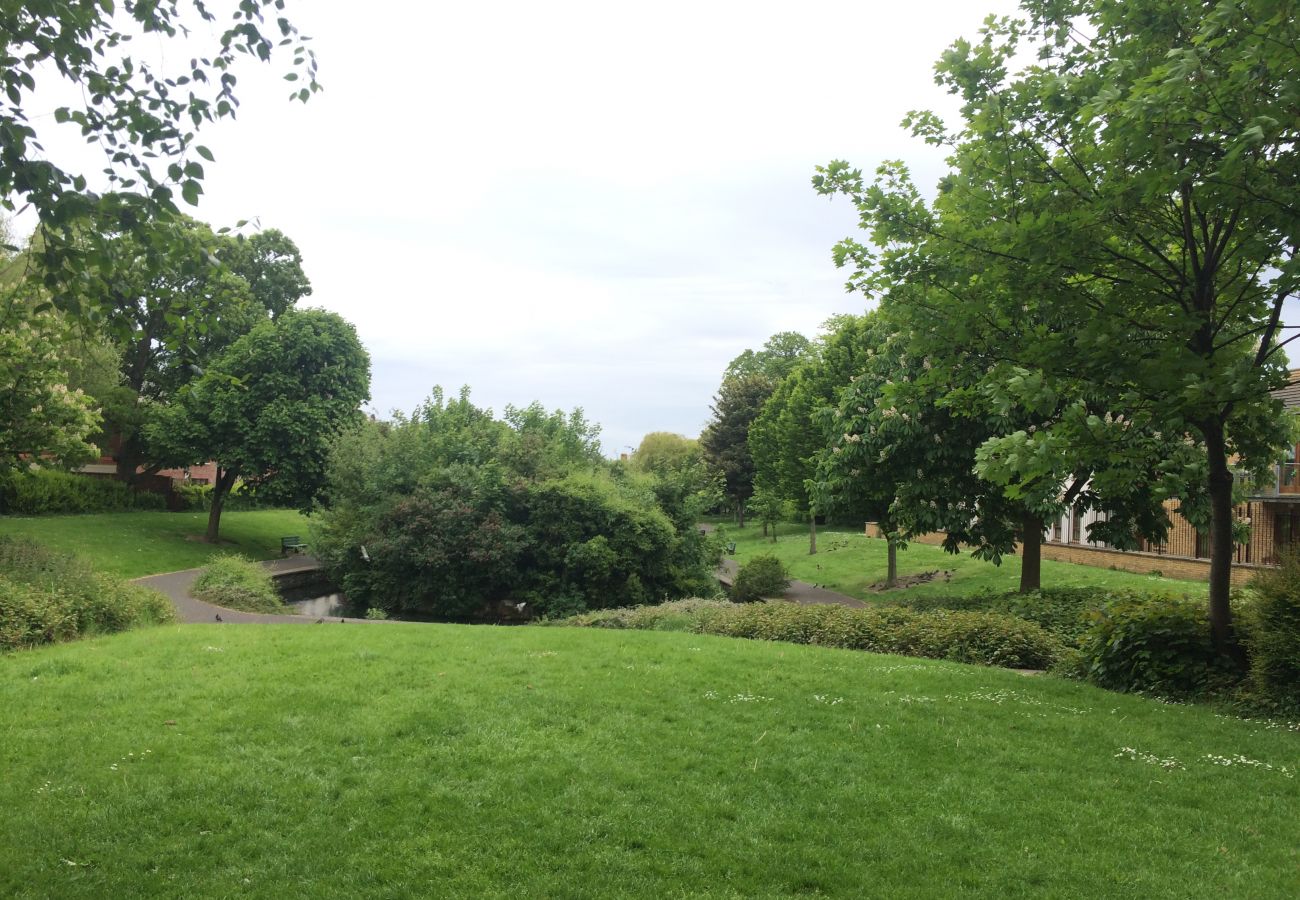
310, 593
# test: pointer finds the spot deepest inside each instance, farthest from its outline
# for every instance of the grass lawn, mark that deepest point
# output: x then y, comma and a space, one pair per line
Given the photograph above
851, 563
395, 760
134, 544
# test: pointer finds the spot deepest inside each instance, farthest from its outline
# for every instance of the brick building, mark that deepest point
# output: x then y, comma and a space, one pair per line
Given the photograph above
1273, 512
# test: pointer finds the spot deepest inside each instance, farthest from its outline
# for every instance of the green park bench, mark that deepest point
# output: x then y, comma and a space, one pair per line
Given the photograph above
731, 547
292, 542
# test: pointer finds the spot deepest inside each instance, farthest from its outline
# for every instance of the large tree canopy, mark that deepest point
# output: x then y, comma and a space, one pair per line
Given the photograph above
1121, 215
268, 409
726, 438
142, 107
42, 417
175, 304
460, 513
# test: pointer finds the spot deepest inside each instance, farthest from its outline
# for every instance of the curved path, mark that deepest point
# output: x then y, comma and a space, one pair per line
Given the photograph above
176, 586
800, 592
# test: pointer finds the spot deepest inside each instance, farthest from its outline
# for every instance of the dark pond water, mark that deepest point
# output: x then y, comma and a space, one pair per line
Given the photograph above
311, 594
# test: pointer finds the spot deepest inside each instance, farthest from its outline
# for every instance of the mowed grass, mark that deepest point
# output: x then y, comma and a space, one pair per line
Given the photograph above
399, 760
135, 544
851, 563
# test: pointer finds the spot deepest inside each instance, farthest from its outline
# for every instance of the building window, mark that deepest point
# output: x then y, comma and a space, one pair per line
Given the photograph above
1286, 529
1076, 524
1202, 544
1289, 473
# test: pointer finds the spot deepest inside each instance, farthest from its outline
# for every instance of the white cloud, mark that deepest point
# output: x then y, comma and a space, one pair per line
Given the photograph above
583, 203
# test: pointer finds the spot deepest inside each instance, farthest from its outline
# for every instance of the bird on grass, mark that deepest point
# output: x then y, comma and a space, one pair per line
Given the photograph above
319, 621
219, 619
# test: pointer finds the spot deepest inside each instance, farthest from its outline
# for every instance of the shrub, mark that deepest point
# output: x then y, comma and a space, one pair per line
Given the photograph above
1273, 633
675, 615
762, 576
47, 597
987, 638
1151, 643
234, 582
1062, 611
39, 492
974, 637
198, 498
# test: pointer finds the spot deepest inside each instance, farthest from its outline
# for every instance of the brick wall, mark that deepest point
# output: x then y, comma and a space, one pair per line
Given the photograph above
1144, 563
1167, 564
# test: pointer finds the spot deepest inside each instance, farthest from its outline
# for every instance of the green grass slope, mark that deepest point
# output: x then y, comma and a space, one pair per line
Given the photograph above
851, 563
396, 760
135, 544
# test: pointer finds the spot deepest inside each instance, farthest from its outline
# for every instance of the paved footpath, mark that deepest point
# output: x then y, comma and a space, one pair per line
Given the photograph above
176, 586
800, 592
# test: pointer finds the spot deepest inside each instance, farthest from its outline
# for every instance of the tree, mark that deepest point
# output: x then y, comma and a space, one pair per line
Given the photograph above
268, 408
1123, 213
143, 113
178, 295
790, 432
41, 417
778, 357
460, 512
726, 438
662, 452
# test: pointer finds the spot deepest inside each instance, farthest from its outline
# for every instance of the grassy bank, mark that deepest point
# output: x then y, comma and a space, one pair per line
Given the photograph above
851, 563
344, 761
134, 544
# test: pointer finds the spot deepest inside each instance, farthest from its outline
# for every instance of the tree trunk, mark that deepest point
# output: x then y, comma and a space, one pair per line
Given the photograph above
1220, 489
891, 567
740, 515
1031, 552
812, 534
764, 529
220, 490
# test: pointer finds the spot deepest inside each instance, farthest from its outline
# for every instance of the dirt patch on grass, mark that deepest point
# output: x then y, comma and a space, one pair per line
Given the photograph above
907, 581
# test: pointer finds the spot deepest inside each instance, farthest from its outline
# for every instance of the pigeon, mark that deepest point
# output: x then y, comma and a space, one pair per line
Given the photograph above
340, 621
319, 621
219, 619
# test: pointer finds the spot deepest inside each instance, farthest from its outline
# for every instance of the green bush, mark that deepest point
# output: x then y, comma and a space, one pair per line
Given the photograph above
762, 576
198, 498
980, 637
40, 492
675, 615
1151, 643
234, 582
1272, 620
1062, 611
47, 597
987, 638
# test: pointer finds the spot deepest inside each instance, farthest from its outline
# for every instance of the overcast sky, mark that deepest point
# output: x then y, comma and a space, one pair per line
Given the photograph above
585, 204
